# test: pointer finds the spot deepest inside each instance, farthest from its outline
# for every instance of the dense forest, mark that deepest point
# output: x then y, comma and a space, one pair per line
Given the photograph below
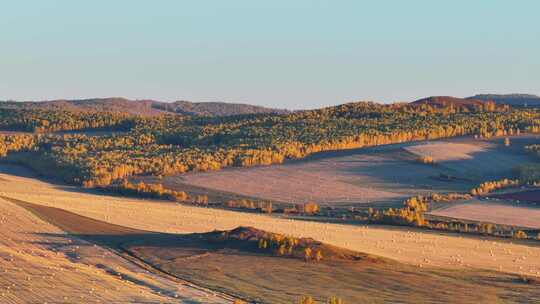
144, 107
61, 143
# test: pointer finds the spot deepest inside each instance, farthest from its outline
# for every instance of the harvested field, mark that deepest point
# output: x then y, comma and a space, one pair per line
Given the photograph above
39, 263
234, 265
338, 178
493, 211
414, 247
381, 175
477, 160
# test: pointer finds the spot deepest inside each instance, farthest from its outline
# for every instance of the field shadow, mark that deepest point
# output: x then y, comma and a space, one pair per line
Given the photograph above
399, 172
400, 169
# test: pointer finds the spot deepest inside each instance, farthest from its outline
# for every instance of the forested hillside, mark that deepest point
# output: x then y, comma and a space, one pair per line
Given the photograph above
169, 144
141, 107
214, 108
460, 104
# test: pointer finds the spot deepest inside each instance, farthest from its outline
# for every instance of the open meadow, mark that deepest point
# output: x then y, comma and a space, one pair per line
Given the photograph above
381, 175
404, 244
269, 152
231, 262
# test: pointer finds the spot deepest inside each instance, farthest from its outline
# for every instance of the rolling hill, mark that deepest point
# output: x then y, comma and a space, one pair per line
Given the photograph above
443, 101
509, 99
213, 108
142, 107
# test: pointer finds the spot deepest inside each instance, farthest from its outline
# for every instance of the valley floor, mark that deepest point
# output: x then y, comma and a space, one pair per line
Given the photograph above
415, 247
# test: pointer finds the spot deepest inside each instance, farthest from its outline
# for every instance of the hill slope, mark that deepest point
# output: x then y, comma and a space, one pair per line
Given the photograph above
443, 101
142, 107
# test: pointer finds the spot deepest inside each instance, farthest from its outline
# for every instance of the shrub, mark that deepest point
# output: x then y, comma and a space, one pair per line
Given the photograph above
242, 203
426, 160
335, 300
308, 208
307, 254
266, 207
318, 256
520, 234
306, 300
490, 186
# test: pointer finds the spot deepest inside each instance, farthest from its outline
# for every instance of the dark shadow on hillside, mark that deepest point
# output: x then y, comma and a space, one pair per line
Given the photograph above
403, 171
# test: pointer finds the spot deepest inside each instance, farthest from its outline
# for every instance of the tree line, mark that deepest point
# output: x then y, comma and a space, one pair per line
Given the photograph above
174, 144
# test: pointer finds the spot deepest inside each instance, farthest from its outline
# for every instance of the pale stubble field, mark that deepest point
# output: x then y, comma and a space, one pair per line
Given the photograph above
416, 247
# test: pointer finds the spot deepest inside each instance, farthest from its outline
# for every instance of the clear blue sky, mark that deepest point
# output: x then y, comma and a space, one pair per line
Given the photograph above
291, 54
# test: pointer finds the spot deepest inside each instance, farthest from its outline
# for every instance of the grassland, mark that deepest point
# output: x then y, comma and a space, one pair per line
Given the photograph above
236, 265
372, 176
494, 211
407, 245
41, 263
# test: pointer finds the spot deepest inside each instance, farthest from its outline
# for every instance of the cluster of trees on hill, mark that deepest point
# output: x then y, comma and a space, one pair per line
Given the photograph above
278, 244
172, 144
42, 121
156, 191
490, 186
412, 212
266, 207
11, 143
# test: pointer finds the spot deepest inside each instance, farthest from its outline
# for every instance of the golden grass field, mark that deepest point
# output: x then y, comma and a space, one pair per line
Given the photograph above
378, 175
411, 246
39, 263
240, 268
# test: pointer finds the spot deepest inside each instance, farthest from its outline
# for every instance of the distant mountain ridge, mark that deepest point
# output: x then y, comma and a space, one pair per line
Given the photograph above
214, 108
510, 99
144, 107
516, 100
444, 101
